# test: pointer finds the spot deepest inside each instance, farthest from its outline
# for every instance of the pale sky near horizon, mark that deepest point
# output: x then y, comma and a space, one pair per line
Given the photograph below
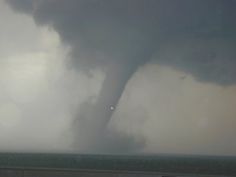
167, 108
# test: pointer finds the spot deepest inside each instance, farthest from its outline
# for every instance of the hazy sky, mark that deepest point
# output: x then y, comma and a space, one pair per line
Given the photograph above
178, 92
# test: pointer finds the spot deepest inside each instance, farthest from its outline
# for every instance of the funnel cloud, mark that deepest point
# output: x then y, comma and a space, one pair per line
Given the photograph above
119, 37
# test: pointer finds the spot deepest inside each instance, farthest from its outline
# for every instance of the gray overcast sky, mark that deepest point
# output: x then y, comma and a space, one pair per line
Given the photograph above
169, 74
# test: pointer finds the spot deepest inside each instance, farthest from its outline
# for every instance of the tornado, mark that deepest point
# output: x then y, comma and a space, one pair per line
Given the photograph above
128, 33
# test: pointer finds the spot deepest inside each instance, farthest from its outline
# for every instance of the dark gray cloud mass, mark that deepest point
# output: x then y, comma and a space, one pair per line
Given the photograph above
121, 35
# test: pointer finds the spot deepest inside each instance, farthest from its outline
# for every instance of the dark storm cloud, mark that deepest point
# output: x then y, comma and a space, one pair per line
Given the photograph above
126, 29
121, 35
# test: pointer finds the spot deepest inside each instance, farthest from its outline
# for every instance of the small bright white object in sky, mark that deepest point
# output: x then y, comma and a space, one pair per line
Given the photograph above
112, 108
